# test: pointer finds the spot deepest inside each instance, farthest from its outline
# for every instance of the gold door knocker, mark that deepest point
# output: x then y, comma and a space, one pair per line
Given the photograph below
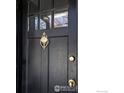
44, 40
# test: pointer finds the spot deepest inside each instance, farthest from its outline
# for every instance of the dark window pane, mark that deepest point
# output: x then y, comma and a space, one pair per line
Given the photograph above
45, 22
61, 19
33, 6
60, 4
45, 5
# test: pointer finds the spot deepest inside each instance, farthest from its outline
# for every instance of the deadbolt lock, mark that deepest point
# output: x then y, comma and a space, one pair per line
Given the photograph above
71, 58
71, 83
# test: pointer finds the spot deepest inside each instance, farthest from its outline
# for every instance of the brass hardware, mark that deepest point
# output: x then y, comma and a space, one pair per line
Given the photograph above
71, 83
44, 40
72, 58
46, 18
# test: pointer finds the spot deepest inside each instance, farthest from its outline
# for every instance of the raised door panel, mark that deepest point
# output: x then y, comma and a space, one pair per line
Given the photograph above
34, 67
57, 63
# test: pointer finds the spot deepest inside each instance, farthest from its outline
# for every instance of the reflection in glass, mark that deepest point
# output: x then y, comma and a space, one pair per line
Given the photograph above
33, 23
28, 24
45, 22
61, 19
36, 23
42, 24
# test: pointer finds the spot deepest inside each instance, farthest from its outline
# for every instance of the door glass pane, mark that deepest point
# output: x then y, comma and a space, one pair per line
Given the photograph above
60, 4
61, 19
28, 24
45, 22
33, 23
36, 23
45, 4
33, 6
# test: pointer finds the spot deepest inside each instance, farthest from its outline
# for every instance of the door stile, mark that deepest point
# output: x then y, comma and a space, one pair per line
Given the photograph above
72, 66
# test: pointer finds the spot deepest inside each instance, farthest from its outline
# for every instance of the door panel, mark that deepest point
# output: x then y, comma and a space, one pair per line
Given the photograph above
34, 66
47, 65
57, 63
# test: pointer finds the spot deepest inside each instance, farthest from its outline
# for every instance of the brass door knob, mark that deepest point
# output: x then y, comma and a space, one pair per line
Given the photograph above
71, 83
71, 58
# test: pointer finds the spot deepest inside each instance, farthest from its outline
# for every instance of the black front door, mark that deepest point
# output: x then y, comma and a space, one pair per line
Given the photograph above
47, 46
